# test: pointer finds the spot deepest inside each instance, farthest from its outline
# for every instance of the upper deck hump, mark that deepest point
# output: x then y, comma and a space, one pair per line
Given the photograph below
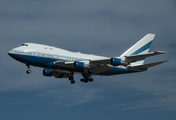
58, 51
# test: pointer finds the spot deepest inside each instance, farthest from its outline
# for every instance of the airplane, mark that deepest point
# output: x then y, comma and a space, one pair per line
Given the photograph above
62, 63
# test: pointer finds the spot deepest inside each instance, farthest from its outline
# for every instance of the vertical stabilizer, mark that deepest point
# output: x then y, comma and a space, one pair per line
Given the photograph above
141, 47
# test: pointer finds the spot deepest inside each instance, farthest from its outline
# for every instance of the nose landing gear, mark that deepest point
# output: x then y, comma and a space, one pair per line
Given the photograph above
28, 71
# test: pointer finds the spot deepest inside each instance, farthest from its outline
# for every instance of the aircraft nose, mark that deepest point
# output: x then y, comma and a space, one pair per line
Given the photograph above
11, 52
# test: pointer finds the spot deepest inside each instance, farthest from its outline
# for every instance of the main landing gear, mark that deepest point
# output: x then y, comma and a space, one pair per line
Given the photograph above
87, 78
72, 80
28, 71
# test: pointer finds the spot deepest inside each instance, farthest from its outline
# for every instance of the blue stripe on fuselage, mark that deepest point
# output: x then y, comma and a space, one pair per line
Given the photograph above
39, 61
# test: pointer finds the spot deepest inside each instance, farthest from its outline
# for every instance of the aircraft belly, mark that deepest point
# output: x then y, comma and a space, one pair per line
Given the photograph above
44, 62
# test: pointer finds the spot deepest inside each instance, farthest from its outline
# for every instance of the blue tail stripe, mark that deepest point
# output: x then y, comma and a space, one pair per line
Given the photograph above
140, 59
145, 47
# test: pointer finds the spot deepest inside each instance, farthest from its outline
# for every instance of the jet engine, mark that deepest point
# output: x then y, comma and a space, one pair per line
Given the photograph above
56, 73
115, 61
78, 65
47, 72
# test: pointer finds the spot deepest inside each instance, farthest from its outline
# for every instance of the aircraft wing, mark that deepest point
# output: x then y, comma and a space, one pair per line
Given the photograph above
100, 68
144, 67
64, 64
128, 59
97, 66
134, 58
99, 62
92, 63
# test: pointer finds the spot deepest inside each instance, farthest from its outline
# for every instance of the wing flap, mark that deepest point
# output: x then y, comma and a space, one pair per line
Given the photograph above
144, 67
100, 68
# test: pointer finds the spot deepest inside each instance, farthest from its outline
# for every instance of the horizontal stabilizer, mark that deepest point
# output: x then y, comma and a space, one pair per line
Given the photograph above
134, 58
144, 67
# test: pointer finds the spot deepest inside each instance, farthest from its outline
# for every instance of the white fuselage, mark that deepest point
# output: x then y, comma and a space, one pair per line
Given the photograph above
51, 51
63, 63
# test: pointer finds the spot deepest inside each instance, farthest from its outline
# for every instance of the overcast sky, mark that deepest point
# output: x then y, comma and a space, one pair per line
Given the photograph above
101, 27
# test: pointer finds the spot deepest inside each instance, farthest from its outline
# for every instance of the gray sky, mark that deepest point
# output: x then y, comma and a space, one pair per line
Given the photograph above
100, 27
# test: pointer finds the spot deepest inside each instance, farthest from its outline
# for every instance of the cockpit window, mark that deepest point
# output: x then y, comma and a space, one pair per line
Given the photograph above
24, 45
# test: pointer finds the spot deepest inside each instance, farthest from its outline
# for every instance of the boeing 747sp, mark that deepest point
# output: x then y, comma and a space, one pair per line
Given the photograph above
61, 63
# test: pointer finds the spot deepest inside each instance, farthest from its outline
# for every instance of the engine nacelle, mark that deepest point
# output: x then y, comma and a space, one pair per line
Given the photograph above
78, 65
56, 73
115, 61
47, 72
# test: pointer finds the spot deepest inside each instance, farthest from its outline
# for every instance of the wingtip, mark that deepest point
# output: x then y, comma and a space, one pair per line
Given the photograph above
163, 61
151, 34
162, 52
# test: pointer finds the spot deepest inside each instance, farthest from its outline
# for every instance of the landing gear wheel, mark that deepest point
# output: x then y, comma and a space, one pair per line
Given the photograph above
28, 71
82, 80
86, 80
72, 82
91, 80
